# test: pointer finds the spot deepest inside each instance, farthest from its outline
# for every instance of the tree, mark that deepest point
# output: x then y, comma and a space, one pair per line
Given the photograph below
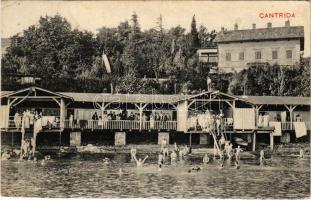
70, 60
195, 42
129, 83
273, 80
135, 28
206, 38
51, 50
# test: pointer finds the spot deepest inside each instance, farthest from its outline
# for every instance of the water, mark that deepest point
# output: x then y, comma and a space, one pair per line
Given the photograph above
87, 176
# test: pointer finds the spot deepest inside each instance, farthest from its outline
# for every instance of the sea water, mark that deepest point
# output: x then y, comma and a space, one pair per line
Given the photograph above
88, 176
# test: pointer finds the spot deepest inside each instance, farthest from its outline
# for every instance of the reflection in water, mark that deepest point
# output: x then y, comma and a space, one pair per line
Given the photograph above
87, 176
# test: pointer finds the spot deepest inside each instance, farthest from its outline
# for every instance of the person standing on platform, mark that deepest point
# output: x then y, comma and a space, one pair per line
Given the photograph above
16, 120
71, 120
151, 121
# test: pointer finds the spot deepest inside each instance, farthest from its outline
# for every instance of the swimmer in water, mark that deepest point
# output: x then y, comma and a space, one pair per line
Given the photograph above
120, 171
215, 153
6, 156
140, 162
237, 166
160, 159
160, 167
206, 159
181, 154
221, 155
262, 157
166, 152
237, 152
221, 165
133, 153
195, 168
173, 156
229, 150
301, 153
106, 161
43, 162
175, 147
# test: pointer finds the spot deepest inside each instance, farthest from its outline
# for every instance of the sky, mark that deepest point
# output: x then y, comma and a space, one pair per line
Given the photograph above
92, 15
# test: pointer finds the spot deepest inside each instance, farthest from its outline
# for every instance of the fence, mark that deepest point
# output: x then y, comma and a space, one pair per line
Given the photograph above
121, 125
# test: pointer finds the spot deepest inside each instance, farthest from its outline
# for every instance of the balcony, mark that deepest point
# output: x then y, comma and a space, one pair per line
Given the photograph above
120, 125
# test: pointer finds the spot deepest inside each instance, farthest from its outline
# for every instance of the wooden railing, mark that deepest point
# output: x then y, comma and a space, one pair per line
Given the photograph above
121, 125
12, 124
286, 126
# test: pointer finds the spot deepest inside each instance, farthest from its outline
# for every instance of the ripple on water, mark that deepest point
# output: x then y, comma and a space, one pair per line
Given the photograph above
88, 177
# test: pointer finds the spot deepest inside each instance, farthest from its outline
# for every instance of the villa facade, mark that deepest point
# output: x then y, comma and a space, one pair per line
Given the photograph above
274, 45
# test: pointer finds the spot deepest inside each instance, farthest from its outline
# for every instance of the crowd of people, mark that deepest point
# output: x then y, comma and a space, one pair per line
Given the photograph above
207, 121
164, 153
98, 120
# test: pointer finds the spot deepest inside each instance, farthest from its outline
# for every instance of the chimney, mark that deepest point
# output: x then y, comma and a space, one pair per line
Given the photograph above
254, 26
287, 23
269, 25
236, 27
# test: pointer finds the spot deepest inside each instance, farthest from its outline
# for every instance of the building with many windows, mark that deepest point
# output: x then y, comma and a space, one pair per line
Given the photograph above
238, 48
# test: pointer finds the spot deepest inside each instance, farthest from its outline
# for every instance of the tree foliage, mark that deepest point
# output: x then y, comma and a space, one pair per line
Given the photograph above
273, 80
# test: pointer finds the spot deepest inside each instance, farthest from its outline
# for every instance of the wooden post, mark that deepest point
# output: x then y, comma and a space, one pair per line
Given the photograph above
62, 113
34, 143
291, 117
291, 109
7, 121
140, 117
60, 139
257, 108
254, 141
271, 141
190, 142
12, 141
102, 111
233, 108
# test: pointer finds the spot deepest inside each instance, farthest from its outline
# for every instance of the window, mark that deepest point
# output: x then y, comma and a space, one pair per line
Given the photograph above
241, 56
228, 56
289, 54
274, 54
258, 55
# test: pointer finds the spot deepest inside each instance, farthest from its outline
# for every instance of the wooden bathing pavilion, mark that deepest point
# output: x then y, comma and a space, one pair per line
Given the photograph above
123, 118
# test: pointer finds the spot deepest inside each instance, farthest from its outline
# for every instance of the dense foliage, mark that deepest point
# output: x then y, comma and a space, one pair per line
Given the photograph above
151, 61
275, 80
70, 60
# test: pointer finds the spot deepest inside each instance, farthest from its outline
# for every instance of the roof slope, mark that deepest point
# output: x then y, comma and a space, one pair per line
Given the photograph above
278, 100
292, 32
162, 98
131, 98
32, 90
